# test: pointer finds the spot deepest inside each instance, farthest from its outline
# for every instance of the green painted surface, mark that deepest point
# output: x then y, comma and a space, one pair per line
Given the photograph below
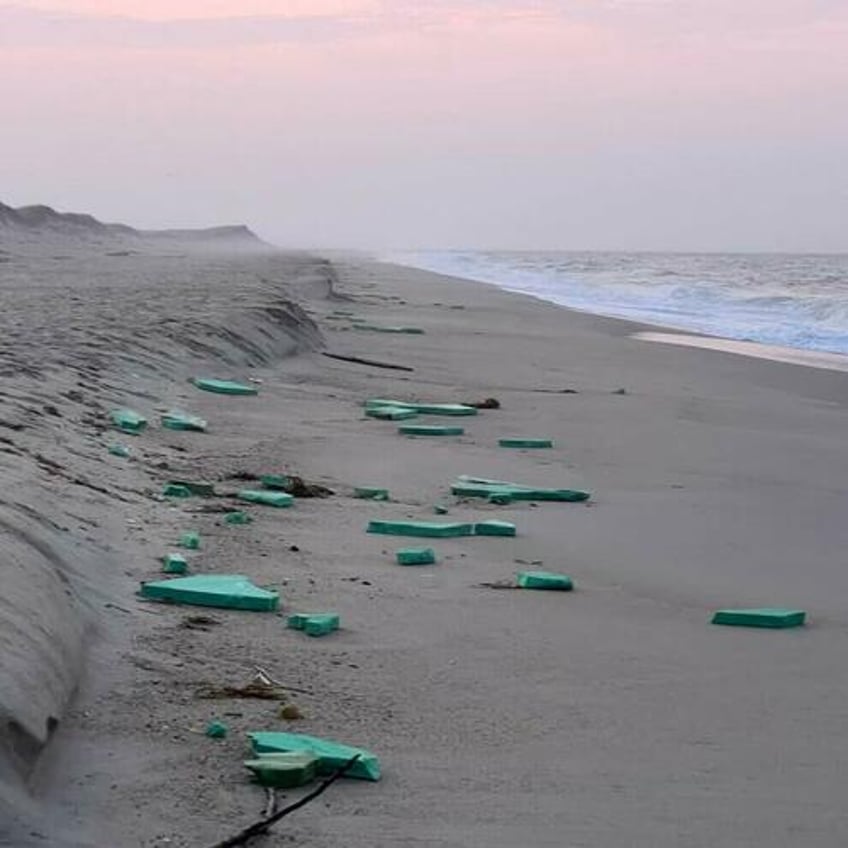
128, 421
277, 499
217, 730
424, 529
545, 580
228, 591
331, 755
225, 387
416, 556
526, 443
770, 617
494, 528
314, 623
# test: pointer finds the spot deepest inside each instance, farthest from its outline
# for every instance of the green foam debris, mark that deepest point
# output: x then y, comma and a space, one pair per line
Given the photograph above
391, 413
278, 482
331, 755
217, 730
526, 443
229, 591
477, 487
117, 449
238, 518
203, 490
430, 430
225, 387
424, 529
545, 580
128, 421
176, 490
371, 493
416, 556
176, 420
494, 528
190, 540
423, 408
174, 564
277, 499
774, 618
314, 623
284, 771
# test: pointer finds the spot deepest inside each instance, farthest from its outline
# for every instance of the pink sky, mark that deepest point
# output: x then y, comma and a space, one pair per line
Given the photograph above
633, 124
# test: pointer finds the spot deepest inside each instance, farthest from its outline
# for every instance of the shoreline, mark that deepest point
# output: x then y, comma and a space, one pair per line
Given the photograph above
612, 715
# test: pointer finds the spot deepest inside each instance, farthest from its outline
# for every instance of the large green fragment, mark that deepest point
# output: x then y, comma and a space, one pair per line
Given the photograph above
545, 580
391, 413
774, 618
238, 518
204, 490
371, 493
174, 564
423, 408
177, 420
278, 482
416, 556
494, 528
117, 449
190, 540
277, 499
225, 387
284, 771
471, 488
229, 591
425, 529
128, 421
374, 328
526, 443
430, 430
331, 755
176, 490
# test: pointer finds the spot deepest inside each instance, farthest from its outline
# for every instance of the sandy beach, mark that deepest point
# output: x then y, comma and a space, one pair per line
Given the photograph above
613, 716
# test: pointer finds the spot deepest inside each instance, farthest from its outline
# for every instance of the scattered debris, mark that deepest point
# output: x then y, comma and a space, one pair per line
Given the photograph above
423, 408
430, 430
128, 421
331, 754
224, 387
276, 499
377, 329
371, 493
216, 730
544, 580
201, 489
314, 624
301, 489
190, 541
525, 443
176, 490
260, 688
284, 771
480, 487
174, 564
416, 556
176, 420
238, 518
391, 413
440, 509
117, 449
420, 528
198, 622
230, 591
494, 528
290, 712
499, 584
774, 618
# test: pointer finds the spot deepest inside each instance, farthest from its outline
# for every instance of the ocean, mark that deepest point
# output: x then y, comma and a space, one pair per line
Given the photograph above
794, 300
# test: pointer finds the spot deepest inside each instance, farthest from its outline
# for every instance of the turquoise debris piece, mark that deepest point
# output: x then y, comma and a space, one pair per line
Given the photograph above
284, 771
190, 540
117, 449
371, 493
430, 430
278, 482
225, 387
470, 488
128, 421
174, 564
217, 730
416, 556
238, 518
176, 490
228, 591
176, 420
321, 624
297, 621
545, 580
391, 413
203, 490
331, 755
425, 529
277, 499
494, 528
525, 443
423, 408
774, 618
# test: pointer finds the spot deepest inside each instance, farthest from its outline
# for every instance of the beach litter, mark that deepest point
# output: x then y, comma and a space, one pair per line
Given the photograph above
480, 487
190, 540
177, 420
228, 591
217, 730
176, 490
494, 528
238, 518
525, 443
128, 421
174, 564
314, 624
203, 490
224, 387
416, 556
773, 618
284, 770
331, 755
547, 580
275, 499
278, 482
426, 529
430, 430
117, 449
422, 408
391, 413
371, 493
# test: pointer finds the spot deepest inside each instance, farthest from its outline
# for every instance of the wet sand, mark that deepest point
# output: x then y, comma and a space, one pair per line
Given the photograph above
614, 715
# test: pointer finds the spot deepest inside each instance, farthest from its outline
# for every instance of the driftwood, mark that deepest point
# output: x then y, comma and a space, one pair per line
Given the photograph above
373, 362
260, 827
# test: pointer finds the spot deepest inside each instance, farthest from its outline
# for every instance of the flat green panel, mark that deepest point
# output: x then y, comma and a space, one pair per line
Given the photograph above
416, 556
331, 755
494, 528
516, 493
526, 443
128, 421
284, 771
766, 617
225, 387
391, 413
229, 591
430, 430
545, 580
422, 408
277, 499
427, 529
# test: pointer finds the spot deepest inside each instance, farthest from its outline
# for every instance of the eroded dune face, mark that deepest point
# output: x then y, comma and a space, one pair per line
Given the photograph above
93, 317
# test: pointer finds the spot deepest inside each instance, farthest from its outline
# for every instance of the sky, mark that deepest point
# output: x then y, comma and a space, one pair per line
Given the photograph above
392, 124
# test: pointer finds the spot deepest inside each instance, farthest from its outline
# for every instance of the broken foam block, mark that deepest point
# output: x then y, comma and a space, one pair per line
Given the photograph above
229, 591
424, 529
225, 387
174, 564
117, 449
473, 489
203, 490
430, 430
217, 730
371, 493
331, 755
321, 624
391, 413
494, 528
284, 771
525, 443
238, 518
190, 540
176, 420
277, 499
416, 556
544, 580
278, 482
423, 408
176, 490
775, 618
128, 421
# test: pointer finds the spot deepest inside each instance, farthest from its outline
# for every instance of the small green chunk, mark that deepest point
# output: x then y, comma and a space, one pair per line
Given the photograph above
128, 421
176, 490
203, 490
176, 420
277, 499
279, 482
391, 413
331, 755
225, 387
190, 540
238, 518
416, 556
174, 564
494, 528
526, 443
217, 730
545, 580
284, 771
775, 618
321, 624
371, 493
440, 509
117, 449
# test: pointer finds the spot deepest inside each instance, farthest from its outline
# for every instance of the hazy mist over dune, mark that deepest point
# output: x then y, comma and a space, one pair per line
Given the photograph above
585, 124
